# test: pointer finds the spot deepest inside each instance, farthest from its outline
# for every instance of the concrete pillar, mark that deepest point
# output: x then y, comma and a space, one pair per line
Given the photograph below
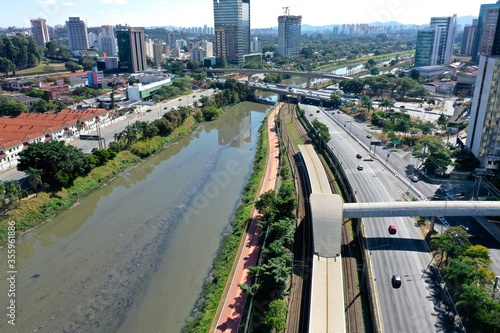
308, 82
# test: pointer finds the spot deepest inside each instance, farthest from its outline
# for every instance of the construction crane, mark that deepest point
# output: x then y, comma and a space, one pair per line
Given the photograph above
287, 10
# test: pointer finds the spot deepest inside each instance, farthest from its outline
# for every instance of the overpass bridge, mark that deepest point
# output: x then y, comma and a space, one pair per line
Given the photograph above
309, 75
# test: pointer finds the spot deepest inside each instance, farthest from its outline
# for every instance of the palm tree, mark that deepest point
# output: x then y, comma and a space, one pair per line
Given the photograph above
366, 102
386, 103
119, 136
34, 178
130, 133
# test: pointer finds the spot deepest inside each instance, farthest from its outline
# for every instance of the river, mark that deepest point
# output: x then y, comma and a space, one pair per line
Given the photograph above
133, 256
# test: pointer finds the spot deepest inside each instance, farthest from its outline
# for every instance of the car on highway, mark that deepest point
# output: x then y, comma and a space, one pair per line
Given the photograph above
149, 110
414, 179
358, 155
360, 167
392, 229
317, 111
396, 281
369, 136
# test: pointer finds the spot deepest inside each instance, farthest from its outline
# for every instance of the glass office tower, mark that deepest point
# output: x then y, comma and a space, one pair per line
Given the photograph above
231, 30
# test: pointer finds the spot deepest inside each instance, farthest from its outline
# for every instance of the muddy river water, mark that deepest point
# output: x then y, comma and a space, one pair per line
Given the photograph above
133, 256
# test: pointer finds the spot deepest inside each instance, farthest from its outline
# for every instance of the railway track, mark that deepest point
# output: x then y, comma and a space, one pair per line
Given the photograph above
352, 294
298, 310
296, 321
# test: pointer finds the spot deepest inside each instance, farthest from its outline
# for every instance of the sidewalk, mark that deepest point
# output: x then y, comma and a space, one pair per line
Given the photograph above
232, 310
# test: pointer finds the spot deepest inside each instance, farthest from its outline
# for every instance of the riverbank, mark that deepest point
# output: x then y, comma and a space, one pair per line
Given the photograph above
30, 214
215, 286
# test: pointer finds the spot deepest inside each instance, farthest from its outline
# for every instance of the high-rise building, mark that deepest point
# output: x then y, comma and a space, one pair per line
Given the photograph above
486, 27
149, 48
40, 31
170, 40
77, 34
256, 45
435, 44
232, 30
426, 48
107, 30
157, 52
93, 40
289, 35
132, 49
483, 134
209, 48
468, 38
107, 44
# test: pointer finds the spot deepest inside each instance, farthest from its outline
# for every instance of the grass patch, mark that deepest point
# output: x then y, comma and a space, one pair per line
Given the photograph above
292, 131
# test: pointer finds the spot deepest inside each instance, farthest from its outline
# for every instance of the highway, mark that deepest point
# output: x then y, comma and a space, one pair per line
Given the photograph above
413, 307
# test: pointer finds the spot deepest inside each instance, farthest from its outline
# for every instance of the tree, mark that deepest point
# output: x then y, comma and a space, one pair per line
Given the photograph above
72, 66
431, 101
87, 63
434, 151
336, 98
366, 102
6, 66
9, 107
355, 86
386, 103
275, 316
370, 64
59, 164
442, 121
13, 189
403, 85
39, 106
34, 178
36, 93
414, 74
322, 129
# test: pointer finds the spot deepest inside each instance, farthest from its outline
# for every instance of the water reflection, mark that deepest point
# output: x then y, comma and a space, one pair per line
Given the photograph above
133, 255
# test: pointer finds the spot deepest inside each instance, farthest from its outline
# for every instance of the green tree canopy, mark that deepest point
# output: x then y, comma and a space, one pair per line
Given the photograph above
59, 164
72, 66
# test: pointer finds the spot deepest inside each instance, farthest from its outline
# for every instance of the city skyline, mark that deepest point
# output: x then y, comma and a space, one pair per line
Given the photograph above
200, 12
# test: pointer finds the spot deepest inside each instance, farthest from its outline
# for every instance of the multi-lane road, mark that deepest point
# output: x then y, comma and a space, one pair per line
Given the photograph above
417, 305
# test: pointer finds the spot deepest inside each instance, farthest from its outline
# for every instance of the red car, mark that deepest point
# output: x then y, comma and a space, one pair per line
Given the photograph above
359, 156
392, 229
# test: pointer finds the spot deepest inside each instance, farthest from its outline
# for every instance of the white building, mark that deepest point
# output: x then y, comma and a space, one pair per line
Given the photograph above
107, 44
256, 45
141, 91
483, 134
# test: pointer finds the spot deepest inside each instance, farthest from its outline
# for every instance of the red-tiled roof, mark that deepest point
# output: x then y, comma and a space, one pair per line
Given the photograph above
29, 126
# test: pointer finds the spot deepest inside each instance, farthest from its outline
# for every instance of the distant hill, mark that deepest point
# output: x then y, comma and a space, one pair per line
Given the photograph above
461, 20
465, 20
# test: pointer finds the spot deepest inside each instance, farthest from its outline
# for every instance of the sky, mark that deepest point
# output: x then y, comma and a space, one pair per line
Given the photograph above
263, 13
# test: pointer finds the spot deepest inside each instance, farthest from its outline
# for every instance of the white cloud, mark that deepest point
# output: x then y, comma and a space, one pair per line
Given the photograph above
114, 2
68, 4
